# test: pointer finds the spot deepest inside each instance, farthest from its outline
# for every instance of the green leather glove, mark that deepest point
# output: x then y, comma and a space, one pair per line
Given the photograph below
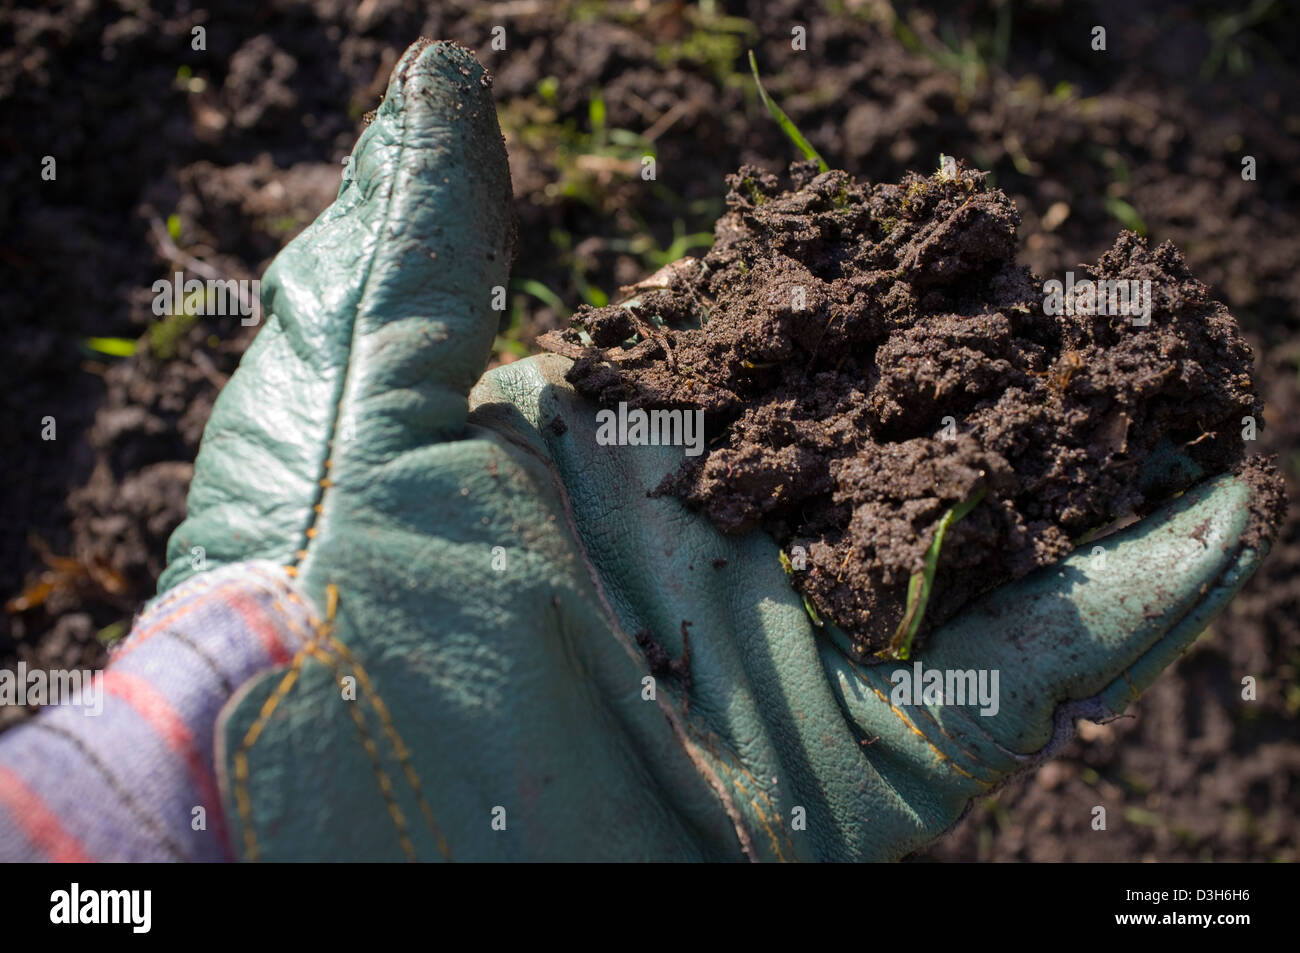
500, 669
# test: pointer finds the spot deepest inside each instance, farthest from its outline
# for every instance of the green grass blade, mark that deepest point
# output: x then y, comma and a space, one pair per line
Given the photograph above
542, 293
918, 588
114, 347
784, 121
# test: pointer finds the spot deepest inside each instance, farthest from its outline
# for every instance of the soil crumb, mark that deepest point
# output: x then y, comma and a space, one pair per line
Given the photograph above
871, 360
663, 665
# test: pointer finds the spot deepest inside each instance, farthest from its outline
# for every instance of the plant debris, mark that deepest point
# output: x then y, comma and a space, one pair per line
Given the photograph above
870, 358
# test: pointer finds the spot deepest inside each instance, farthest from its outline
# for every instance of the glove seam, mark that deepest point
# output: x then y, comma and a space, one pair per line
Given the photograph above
324, 482
706, 736
682, 730
319, 646
915, 729
679, 728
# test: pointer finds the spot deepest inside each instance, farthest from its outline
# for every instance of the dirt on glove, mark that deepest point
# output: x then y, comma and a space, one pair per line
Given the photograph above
870, 359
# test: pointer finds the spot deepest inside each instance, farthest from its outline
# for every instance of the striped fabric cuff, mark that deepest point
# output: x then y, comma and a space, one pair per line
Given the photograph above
123, 770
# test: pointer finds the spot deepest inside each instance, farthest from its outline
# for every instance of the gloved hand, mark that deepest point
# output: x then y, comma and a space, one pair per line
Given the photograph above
497, 667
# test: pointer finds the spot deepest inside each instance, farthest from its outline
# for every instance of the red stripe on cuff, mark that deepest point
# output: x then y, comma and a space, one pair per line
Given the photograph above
155, 709
255, 619
38, 823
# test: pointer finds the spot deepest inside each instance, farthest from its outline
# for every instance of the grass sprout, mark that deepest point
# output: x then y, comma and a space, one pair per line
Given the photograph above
918, 589
784, 121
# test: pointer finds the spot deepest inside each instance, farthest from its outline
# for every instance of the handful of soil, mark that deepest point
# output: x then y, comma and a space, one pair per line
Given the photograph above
896, 401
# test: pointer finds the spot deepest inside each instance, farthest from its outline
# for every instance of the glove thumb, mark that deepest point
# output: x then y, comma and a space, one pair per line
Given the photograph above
379, 319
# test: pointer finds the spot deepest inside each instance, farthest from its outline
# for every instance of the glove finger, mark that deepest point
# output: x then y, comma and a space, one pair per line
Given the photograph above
1081, 638
379, 320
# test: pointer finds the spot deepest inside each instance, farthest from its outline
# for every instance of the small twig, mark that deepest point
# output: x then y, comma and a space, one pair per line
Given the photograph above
666, 121
839, 577
168, 249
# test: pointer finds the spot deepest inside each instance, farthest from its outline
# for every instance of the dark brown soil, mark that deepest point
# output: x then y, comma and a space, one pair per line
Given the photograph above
248, 151
870, 357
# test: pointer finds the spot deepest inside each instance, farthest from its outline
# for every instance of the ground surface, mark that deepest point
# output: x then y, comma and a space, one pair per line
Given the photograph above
168, 156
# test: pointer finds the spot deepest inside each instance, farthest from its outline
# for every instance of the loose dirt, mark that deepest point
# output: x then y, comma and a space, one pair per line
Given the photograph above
871, 357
